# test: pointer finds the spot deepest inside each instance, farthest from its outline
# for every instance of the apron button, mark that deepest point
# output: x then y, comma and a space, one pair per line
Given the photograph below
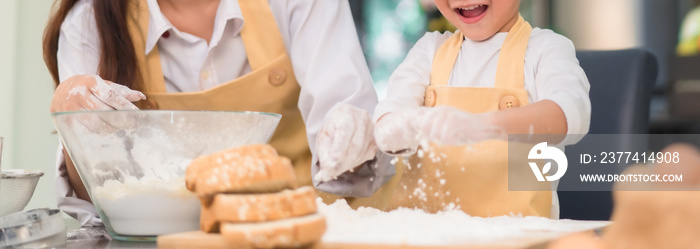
277, 76
430, 98
508, 101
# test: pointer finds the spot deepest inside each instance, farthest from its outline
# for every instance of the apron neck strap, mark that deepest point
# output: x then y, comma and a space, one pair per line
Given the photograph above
445, 59
261, 37
151, 80
510, 72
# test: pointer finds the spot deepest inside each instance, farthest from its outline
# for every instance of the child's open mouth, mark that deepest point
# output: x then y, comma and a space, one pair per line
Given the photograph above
472, 14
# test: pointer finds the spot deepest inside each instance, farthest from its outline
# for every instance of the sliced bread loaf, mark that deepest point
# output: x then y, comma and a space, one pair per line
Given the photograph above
257, 207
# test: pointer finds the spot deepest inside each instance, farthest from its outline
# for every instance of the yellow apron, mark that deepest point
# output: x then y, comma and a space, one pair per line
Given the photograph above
472, 178
270, 87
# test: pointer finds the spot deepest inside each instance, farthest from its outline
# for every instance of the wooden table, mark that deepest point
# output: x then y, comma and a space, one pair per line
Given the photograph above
203, 240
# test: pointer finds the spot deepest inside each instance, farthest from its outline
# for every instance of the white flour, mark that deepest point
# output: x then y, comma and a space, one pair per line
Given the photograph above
447, 228
148, 206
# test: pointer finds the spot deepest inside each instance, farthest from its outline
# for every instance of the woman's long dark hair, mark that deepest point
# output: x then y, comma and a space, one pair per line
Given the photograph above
118, 61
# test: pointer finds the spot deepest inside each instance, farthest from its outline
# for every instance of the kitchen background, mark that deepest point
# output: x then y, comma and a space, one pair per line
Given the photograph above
388, 28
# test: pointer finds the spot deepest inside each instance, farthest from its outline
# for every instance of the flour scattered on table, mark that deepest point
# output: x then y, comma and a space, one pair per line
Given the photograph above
454, 227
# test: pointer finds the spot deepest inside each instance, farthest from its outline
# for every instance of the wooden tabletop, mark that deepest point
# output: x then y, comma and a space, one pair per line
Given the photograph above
199, 239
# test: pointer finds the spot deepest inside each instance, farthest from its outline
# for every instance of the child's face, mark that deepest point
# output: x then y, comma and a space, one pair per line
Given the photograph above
480, 19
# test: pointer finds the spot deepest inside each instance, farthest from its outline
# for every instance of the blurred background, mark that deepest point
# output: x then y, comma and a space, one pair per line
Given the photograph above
387, 29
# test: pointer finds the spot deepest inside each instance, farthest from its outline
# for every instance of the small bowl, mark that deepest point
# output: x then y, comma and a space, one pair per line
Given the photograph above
16, 189
38, 228
133, 162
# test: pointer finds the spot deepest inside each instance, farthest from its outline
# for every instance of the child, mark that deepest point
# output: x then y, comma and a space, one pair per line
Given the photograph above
473, 88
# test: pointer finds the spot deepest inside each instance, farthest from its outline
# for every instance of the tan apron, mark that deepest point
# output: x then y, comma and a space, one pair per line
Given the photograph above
270, 87
472, 178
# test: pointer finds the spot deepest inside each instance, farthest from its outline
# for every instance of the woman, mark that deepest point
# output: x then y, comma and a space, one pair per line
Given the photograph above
297, 58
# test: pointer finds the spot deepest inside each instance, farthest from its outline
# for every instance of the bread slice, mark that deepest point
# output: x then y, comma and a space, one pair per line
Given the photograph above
246, 169
258, 207
233, 155
292, 232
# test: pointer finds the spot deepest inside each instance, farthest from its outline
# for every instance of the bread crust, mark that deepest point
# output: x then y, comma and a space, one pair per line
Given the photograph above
292, 232
207, 221
247, 169
258, 207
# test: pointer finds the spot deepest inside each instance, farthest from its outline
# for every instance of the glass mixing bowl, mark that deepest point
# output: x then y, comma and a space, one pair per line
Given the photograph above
133, 162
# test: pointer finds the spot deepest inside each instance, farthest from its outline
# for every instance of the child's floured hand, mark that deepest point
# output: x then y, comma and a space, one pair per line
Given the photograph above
450, 126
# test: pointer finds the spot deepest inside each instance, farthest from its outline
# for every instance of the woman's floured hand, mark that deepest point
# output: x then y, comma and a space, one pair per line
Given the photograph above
344, 142
92, 93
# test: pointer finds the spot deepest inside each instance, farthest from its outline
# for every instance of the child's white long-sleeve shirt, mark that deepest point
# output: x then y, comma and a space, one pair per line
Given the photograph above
552, 73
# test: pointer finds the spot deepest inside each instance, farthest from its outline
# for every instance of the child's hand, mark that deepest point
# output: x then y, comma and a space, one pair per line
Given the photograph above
396, 132
450, 126
345, 142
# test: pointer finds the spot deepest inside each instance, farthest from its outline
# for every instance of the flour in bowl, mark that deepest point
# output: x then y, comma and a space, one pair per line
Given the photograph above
148, 206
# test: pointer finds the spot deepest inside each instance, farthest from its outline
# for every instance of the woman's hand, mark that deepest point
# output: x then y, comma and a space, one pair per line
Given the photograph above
396, 132
345, 142
91, 93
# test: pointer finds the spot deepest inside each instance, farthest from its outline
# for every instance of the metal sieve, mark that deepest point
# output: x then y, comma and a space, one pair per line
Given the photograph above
16, 189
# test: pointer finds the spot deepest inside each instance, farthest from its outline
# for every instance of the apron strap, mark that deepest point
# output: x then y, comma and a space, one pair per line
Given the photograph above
444, 59
261, 38
152, 79
510, 72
